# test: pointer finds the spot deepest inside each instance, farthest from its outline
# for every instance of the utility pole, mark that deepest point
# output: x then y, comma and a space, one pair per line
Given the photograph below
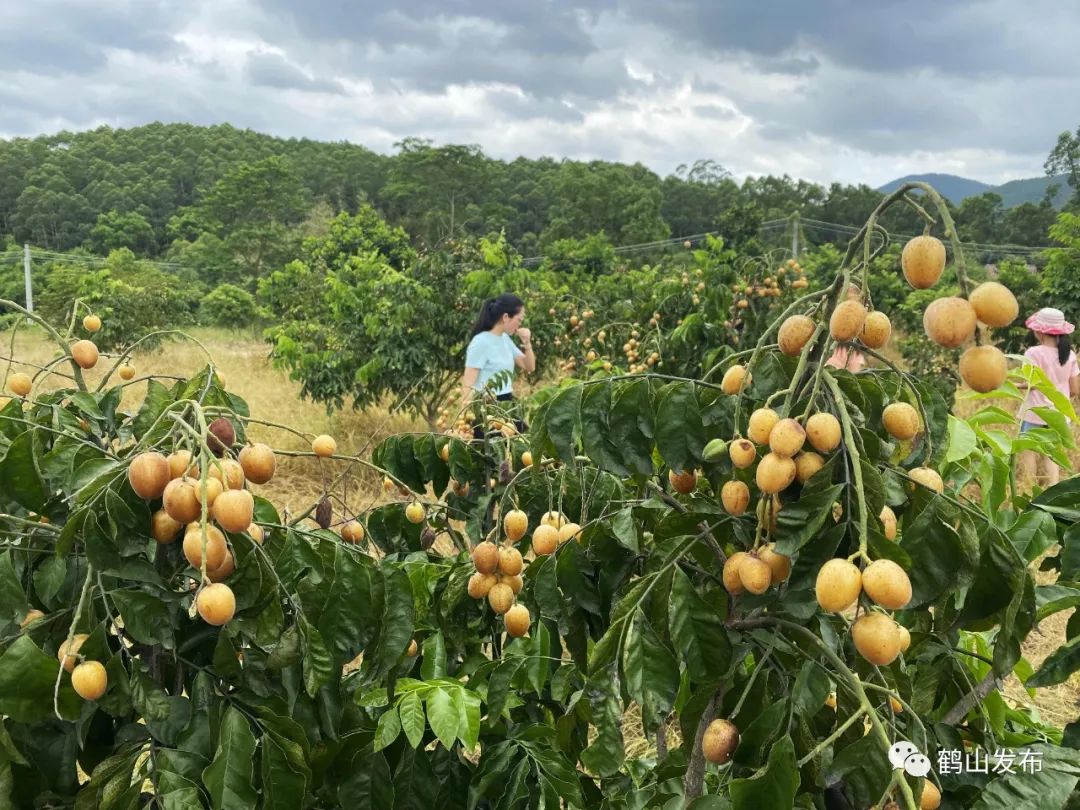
26, 274
795, 236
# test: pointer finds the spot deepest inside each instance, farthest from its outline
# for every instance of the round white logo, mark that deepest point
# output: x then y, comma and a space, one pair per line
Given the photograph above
900, 752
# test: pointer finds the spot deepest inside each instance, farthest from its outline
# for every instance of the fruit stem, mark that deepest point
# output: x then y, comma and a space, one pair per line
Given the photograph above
836, 735
84, 598
800, 368
852, 452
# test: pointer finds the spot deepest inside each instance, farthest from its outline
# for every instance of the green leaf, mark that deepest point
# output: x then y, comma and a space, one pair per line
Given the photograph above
411, 709
680, 436
229, 778
606, 752
284, 784
1048, 789
632, 425
1032, 534
318, 666
148, 696
20, 478
1058, 666
799, 522
962, 440
563, 422
650, 669
27, 677
697, 631
433, 664
12, 597
388, 728
774, 786
371, 785
596, 431
146, 617
443, 716
157, 399
343, 621
938, 556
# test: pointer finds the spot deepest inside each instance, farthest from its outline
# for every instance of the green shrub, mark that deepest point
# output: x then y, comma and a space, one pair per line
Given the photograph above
229, 306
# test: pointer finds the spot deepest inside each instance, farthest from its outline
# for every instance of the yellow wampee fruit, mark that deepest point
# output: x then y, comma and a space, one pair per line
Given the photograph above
545, 539
485, 557
683, 482
734, 380
949, 321
742, 452
923, 261
928, 478
568, 532
983, 368
838, 585
787, 438
148, 474
510, 562
888, 522
779, 564
876, 331
794, 332
517, 621
515, 524
994, 304
847, 320
216, 604
732, 581
762, 422
755, 574
720, 741
823, 432
807, 465
876, 638
900, 420
735, 495
887, 584
774, 473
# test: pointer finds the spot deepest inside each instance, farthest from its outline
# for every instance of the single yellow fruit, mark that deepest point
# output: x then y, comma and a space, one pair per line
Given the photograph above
91, 323
876, 638
742, 452
556, 519
352, 532
229, 472
85, 353
228, 565
545, 539
32, 615
732, 580
515, 582
444, 452
258, 463
900, 420
515, 524
807, 466
735, 495
930, 798
66, 655
983, 368
774, 473
148, 474
923, 261
734, 380
755, 574
838, 585
787, 438
481, 584
163, 528
887, 584
234, 509
823, 432
794, 333
216, 604
126, 372
526, 459
762, 422
181, 501
569, 531
720, 741
994, 304
928, 478
876, 331
181, 464
510, 562
683, 482
216, 549
89, 680
896, 706
415, 512
888, 522
847, 321
779, 564
500, 597
949, 321
20, 383
830, 701
213, 489
257, 534
485, 557
324, 446
905, 637
517, 621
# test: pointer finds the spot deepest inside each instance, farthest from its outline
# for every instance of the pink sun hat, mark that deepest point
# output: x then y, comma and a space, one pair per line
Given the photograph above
1049, 321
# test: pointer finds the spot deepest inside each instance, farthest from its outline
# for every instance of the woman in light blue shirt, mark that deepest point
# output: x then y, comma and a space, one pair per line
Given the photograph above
491, 350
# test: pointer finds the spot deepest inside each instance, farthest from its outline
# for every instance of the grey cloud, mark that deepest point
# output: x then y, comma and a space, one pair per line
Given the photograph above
274, 70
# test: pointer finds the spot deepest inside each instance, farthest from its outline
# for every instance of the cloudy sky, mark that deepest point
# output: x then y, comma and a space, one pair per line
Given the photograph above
822, 89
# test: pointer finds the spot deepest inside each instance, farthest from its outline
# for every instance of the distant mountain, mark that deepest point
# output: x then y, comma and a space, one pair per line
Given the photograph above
1013, 193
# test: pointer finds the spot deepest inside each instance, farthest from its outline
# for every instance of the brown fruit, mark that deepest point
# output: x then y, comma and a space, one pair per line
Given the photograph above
91, 323
31, 616
485, 557
181, 464
324, 446
779, 564
216, 604
352, 532
510, 562
215, 547
888, 522
234, 509
89, 680
556, 519
20, 383
517, 621
515, 524
847, 321
683, 482
221, 436
755, 574
415, 512
876, 331
85, 353
735, 495
949, 321
762, 422
229, 472
227, 566
569, 531
900, 420
258, 463
734, 380
794, 333
258, 535
742, 452
181, 500
480, 584
774, 473
545, 539
928, 478
500, 597
887, 584
787, 438
126, 372
838, 585
66, 655
994, 304
876, 638
148, 474
823, 432
720, 741
930, 798
807, 465
163, 528
905, 638
923, 261
213, 489
732, 580
983, 368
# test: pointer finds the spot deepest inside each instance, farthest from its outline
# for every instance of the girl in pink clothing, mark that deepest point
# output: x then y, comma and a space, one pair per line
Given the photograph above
1054, 355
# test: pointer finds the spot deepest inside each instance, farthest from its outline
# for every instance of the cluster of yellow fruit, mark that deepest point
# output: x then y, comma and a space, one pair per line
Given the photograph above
498, 575
877, 636
88, 678
554, 530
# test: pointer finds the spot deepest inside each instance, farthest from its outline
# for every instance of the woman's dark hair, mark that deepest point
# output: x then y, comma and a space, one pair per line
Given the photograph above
1064, 349
492, 311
